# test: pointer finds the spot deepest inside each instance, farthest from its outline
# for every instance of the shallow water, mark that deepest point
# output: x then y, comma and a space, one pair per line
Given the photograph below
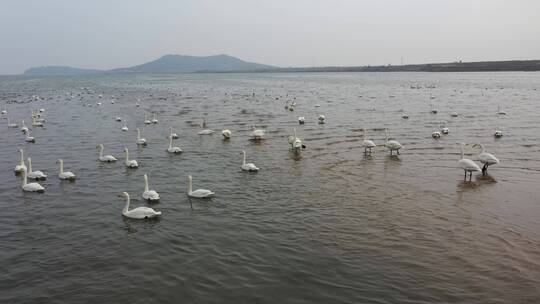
329, 226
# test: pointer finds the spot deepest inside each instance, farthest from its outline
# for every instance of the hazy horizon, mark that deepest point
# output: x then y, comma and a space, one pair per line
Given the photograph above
103, 35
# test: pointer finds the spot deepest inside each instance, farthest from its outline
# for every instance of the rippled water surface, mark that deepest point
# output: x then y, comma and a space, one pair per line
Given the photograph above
328, 226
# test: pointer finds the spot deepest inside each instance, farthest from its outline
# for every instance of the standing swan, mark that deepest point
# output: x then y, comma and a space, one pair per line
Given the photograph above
21, 166
199, 193
139, 212
171, 149
391, 144
485, 158
30, 187
467, 165
106, 158
149, 195
130, 163
65, 175
368, 144
34, 174
249, 166
140, 141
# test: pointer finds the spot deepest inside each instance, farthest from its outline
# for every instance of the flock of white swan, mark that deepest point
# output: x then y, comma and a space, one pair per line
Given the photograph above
468, 165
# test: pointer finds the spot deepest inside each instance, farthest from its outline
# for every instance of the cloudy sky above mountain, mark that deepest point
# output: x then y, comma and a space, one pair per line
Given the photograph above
108, 34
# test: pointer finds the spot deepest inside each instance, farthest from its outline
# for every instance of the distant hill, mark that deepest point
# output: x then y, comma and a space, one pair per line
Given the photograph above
59, 71
193, 64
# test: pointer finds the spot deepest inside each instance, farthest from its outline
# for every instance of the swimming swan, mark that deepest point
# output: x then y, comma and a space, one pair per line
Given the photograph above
466, 164
65, 175
30, 187
106, 158
34, 174
249, 166
149, 195
130, 163
199, 193
139, 212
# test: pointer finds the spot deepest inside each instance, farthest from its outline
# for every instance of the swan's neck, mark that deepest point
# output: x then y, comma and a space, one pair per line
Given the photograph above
126, 208
170, 141
462, 154
244, 153
145, 183
190, 189
29, 165
24, 125
61, 166
294, 132
127, 154
100, 151
22, 158
386, 135
25, 178
138, 134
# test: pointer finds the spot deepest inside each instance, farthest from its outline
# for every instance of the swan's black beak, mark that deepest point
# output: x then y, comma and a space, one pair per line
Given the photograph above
303, 146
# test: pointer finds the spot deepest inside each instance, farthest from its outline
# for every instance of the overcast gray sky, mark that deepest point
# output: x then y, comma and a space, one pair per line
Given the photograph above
108, 34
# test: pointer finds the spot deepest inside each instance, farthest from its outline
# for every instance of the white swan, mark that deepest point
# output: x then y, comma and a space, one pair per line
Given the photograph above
295, 142
21, 166
29, 138
155, 120
139, 212
130, 163
368, 144
322, 119
172, 149
30, 187
11, 125
199, 193
106, 158
34, 174
436, 134
149, 195
124, 127
226, 134
257, 134
454, 114
118, 118
444, 130
249, 166
146, 120
392, 145
24, 128
498, 133
173, 135
466, 164
499, 111
301, 120
485, 158
140, 141
65, 175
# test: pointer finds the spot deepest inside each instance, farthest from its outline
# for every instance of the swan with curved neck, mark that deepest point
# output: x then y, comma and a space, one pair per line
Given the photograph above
140, 141
106, 158
34, 174
146, 120
21, 166
249, 166
485, 158
392, 145
139, 212
466, 164
30, 187
295, 142
155, 120
226, 134
149, 195
368, 144
130, 163
199, 193
124, 127
65, 175
171, 149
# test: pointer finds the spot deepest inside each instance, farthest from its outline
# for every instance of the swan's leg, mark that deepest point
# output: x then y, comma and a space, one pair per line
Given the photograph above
484, 169
397, 151
190, 203
465, 177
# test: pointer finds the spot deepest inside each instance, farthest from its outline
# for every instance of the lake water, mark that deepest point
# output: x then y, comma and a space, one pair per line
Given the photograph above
328, 226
